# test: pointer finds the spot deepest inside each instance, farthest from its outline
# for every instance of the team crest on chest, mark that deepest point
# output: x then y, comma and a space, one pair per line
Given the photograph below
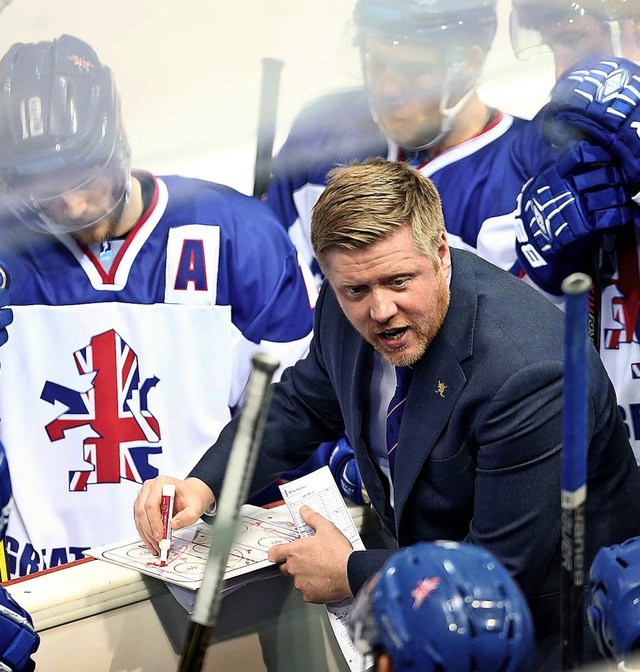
124, 431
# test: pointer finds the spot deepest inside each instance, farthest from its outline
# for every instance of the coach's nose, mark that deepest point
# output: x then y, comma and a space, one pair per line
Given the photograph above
382, 306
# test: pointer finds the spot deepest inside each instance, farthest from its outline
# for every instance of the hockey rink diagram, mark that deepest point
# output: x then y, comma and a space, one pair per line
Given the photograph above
258, 530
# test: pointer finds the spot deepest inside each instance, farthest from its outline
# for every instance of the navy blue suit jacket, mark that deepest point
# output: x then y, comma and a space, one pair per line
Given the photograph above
480, 462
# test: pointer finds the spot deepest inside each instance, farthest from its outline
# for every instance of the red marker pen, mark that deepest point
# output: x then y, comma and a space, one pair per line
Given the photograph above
166, 511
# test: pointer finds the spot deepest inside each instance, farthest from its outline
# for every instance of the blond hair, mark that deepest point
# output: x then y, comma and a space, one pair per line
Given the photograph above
367, 201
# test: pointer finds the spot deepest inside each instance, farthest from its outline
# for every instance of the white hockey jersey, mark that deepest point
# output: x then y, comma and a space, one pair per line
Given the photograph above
114, 373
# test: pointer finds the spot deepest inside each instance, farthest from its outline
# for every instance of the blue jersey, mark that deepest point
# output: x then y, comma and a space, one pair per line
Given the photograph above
478, 180
125, 360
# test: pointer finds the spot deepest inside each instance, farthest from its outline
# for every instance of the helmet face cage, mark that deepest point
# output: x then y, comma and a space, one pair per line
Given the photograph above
614, 599
447, 27
586, 19
35, 201
61, 121
444, 606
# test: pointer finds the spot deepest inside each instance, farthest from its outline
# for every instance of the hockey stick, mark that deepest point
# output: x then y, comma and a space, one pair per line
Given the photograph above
271, 69
574, 469
595, 296
238, 476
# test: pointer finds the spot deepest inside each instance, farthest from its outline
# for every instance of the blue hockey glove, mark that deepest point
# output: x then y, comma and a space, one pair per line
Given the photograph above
564, 208
343, 466
6, 314
18, 639
598, 99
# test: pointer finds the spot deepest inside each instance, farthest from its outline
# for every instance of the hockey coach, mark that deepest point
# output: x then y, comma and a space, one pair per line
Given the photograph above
478, 455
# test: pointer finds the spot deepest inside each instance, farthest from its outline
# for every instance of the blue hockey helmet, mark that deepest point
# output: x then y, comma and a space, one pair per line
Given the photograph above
61, 127
444, 607
452, 21
614, 599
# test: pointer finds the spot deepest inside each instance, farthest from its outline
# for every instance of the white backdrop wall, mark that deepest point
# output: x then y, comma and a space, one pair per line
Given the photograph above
189, 72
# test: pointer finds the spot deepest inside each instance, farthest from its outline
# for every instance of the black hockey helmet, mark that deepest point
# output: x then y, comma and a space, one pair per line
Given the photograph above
456, 21
61, 126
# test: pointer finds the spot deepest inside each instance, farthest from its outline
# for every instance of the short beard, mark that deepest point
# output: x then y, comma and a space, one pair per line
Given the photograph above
98, 233
426, 329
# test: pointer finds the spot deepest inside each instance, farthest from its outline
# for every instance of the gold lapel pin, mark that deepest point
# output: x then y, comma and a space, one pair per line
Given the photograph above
440, 388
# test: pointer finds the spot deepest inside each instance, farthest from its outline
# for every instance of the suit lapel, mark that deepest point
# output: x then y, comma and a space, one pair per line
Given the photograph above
437, 383
361, 377
432, 398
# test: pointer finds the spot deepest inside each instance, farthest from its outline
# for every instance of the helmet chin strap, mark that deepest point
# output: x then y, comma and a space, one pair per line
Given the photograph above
127, 190
449, 113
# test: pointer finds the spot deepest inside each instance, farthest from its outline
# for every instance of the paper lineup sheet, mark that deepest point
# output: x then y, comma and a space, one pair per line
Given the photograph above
258, 530
319, 491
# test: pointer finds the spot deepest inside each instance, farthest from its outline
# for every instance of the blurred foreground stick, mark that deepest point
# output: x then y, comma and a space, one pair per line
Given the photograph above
574, 467
238, 476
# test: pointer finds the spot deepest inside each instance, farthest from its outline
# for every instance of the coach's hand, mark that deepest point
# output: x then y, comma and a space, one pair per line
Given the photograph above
317, 564
6, 314
193, 498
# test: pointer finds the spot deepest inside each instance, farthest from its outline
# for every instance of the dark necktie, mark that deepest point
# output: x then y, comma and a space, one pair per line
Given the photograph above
395, 410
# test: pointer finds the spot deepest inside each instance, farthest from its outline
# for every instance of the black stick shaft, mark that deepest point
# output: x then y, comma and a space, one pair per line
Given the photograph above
574, 472
269, 93
235, 487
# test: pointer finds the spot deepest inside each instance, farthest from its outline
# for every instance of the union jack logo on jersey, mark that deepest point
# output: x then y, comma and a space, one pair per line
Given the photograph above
125, 433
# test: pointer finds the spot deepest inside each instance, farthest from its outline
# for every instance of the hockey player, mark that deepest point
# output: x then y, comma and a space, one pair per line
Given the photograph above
443, 606
138, 302
421, 65
594, 178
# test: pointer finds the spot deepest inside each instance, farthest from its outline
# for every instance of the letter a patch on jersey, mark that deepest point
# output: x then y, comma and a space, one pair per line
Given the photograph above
192, 264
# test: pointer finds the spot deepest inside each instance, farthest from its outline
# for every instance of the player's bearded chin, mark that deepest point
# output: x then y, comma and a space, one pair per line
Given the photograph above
97, 233
412, 122
103, 230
